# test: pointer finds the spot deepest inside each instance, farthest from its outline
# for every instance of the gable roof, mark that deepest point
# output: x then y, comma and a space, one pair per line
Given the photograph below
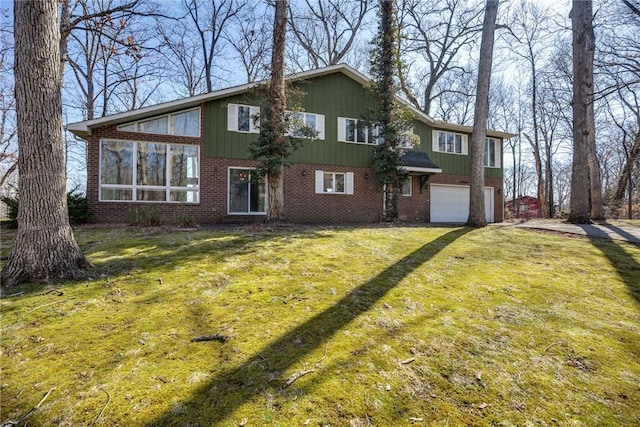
83, 129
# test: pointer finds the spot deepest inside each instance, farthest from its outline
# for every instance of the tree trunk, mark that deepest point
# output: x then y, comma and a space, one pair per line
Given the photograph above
477, 216
581, 16
44, 246
595, 179
277, 103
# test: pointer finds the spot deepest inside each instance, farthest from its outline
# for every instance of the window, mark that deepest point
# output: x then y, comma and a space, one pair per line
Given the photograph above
406, 187
357, 131
162, 172
301, 123
334, 182
450, 142
492, 153
183, 123
247, 195
243, 118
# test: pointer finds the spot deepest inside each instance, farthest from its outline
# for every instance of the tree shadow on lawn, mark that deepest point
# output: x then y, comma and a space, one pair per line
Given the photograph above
220, 397
625, 264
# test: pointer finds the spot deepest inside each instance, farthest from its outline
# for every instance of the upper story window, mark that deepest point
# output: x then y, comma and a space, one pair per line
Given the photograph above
492, 153
306, 125
243, 118
450, 142
357, 131
182, 123
149, 171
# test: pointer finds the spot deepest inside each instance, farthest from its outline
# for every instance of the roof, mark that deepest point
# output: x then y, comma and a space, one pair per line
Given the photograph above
419, 161
83, 129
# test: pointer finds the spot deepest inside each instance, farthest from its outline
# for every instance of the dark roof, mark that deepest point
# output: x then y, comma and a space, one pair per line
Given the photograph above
418, 159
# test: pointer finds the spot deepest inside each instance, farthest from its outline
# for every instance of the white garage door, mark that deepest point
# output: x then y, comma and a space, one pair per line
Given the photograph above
450, 203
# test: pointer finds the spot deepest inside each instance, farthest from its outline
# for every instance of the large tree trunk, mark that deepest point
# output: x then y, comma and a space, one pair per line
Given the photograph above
44, 246
277, 103
583, 40
595, 179
477, 216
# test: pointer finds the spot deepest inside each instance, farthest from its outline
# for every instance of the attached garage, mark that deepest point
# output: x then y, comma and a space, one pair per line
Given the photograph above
450, 203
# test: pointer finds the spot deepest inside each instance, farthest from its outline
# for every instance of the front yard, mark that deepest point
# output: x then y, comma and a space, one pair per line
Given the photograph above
329, 326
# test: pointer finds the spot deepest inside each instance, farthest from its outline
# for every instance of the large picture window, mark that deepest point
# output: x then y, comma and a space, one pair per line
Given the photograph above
183, 123
163, 172
247, 195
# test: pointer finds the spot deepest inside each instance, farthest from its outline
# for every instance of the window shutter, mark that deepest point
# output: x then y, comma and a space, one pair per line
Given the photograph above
254, 125
348, 182
465, 144
434, 141
342, 129
320, 126
232, 117
319, 182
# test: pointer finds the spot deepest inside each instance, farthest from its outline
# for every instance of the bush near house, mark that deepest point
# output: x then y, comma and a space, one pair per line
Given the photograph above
76, 203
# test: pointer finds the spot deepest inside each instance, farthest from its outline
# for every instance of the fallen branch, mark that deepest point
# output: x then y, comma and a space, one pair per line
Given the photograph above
551, 345
407, 361
58, 292
297, 375
104, 407
28, 414
220, 338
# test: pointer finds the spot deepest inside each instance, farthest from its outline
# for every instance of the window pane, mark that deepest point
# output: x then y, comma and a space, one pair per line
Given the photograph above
339, 177
238, 190
151, 195
406, 187
328, 182
184, 166
244, 118
310, 121
154, 126
492, 153
116, 163
187, 123
115, 194
350, 130
257, 192
458, 144
362, 133
152, 164
128, 128
183, 196
442, 141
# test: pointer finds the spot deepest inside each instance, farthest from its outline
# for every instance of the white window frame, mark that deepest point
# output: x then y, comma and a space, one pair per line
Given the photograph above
348, 182
464, 143
293, 124
497, 147
232, 118
135, 187
409, 183
170, 130
342, 132
266, 195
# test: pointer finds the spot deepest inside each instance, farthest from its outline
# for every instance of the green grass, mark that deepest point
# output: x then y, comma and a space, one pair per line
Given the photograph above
393, 326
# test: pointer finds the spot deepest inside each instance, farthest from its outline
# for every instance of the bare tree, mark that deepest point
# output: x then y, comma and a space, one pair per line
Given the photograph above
44, 245
477, 215
250, 43
325, 31
583, 54
437, 33
8, 145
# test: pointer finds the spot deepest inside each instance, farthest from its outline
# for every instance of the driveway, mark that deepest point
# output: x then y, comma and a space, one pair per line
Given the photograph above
627, 233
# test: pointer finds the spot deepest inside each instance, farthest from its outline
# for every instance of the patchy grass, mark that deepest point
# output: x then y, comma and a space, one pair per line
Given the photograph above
330, 326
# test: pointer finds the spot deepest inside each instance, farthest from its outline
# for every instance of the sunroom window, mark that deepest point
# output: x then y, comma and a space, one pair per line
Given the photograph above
182, 123
163, 172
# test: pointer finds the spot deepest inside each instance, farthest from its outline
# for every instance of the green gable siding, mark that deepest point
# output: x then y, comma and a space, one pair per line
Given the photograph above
333, 95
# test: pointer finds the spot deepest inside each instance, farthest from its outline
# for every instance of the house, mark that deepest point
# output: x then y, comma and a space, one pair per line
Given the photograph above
527, 207
191, 155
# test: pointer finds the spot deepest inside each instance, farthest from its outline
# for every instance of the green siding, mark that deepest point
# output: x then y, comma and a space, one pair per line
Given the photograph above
334, 95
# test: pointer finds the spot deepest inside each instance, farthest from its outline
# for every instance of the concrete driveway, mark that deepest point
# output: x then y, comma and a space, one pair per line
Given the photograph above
627, 233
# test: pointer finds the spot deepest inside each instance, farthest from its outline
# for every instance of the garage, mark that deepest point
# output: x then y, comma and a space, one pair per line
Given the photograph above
450, 203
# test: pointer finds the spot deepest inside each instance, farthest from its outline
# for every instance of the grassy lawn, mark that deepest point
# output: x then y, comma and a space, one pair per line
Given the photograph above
330, 326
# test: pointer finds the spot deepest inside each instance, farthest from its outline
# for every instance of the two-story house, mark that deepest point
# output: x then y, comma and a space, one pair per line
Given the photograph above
192, 154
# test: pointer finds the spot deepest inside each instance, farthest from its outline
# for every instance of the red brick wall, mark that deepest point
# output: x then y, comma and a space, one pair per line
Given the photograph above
302, 204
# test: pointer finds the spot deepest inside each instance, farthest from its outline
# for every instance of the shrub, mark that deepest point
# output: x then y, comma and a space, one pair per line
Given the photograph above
145, 216
77, 206
184, 216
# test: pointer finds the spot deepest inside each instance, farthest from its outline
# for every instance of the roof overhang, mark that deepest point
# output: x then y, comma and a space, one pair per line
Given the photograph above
416, 169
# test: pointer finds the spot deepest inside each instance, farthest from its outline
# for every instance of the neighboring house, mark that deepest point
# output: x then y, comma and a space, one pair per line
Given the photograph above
191, 155
527, 207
